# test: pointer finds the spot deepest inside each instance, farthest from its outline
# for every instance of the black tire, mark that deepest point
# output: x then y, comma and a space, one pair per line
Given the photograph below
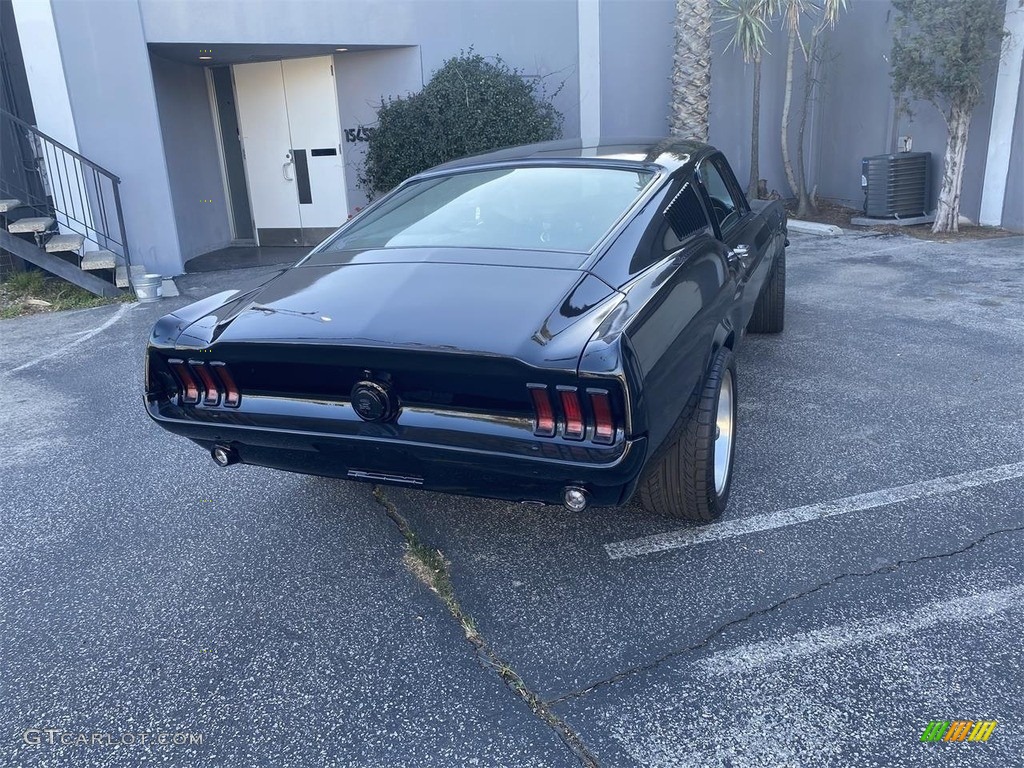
681, 480
770, 310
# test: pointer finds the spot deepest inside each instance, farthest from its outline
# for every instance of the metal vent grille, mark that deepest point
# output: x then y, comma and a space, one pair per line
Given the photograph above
685, 213
896, 186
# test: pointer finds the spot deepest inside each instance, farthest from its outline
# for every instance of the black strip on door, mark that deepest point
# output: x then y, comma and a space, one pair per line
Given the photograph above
302, 176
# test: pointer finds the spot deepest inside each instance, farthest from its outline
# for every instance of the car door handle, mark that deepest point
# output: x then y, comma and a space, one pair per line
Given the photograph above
737, 256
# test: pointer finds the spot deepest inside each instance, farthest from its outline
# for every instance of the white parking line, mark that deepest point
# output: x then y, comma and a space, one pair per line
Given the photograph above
687, 537
968, 608
83, 337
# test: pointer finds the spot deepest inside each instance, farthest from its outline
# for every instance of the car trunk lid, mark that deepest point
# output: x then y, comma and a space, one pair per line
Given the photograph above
479, 309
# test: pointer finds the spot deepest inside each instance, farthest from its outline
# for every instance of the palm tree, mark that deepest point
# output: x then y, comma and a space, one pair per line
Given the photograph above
749, 20
691, 70
824, 15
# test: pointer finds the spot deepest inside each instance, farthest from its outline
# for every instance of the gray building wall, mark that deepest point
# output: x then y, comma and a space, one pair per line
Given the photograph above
855, 113
1013, 205
120, 123
360, 75
190, 145
637, 42
113, 86
537, 36
732, 89
110, 85
856, 101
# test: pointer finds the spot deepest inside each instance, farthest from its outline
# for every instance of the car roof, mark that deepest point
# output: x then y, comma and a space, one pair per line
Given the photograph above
671, 153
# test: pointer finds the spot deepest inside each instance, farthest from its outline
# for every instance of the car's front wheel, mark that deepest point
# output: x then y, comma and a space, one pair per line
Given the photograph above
692, 477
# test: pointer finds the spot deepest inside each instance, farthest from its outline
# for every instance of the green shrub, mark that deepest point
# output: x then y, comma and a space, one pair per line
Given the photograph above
470, 105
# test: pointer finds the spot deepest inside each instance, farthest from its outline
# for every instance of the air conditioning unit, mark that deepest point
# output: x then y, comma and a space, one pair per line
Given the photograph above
896, 186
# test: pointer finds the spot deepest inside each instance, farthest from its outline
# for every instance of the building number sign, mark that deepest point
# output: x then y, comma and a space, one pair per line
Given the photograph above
362, 133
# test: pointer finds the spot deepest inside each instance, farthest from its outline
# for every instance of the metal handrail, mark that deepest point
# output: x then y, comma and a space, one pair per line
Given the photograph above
47, 157
51, 140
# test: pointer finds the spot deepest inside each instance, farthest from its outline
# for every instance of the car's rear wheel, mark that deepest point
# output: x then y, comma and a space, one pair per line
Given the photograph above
770, 310
692, 477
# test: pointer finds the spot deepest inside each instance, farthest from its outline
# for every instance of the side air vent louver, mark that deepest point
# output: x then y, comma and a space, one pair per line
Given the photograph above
896, 186
685, 214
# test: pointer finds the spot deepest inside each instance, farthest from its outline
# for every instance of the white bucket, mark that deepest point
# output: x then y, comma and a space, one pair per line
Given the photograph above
148, 288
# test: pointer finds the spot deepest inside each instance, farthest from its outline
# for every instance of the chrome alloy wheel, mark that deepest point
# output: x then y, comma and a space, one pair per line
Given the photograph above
725, 425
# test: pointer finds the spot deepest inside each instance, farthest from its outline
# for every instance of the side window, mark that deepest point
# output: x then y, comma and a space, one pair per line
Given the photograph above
726, 199
685, 216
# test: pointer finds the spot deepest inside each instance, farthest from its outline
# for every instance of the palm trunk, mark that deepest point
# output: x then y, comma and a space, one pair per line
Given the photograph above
787, 99
755, 133
805, 204
947, 213
691, 70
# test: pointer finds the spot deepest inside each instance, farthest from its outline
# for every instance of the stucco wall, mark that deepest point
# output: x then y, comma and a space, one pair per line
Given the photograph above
116, 120
110, 84
193, 163
854, 116
856, 104
636, 59
114, 100
364, 78
732, 107
1013, 204
537, 36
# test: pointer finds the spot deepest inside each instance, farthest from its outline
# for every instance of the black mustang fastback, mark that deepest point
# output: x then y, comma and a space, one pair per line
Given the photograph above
553, 323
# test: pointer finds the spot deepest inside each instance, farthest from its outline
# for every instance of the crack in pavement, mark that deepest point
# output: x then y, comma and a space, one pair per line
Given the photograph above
718, 631
430, 567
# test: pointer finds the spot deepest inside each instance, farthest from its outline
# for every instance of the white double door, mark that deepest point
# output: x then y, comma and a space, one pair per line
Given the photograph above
291, 139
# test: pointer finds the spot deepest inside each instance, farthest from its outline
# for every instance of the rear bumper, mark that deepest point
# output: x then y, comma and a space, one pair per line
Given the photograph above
469, 455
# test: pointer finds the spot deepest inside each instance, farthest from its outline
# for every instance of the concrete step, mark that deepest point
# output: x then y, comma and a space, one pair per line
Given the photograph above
71, 242
9, 205
40, 224
121, 275
56, 265
99, 260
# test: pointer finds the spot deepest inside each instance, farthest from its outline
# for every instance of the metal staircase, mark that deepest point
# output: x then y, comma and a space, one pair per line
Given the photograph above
61, 212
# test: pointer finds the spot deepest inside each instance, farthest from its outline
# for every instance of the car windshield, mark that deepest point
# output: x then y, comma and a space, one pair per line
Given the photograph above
541, 208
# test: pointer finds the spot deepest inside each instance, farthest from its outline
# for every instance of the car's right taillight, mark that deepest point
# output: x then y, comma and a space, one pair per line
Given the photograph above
581, 414
575, 428
232, 396
604, 422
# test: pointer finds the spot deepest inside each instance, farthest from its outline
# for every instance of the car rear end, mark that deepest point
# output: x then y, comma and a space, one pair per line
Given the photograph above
478, 425
433, 342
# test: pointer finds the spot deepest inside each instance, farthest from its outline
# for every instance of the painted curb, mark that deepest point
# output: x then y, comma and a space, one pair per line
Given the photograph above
813, 228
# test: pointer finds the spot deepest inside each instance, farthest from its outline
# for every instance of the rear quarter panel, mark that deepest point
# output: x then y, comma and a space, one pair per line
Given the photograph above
685, 303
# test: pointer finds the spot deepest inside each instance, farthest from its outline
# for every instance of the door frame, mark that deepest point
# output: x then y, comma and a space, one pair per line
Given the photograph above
222, 158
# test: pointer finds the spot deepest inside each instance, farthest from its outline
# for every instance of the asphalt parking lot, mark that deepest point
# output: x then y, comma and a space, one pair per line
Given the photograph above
865, 580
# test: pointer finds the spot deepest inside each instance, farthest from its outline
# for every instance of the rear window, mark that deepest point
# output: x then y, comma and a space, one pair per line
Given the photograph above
542, 208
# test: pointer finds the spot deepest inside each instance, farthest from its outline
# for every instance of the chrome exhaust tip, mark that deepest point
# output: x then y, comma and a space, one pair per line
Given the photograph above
574, 499
224, 455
